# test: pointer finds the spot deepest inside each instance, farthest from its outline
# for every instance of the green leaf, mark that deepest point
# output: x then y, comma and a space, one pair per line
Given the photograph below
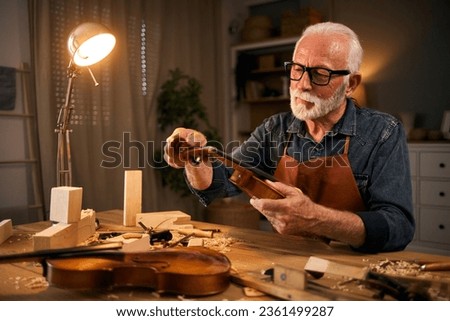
179, 105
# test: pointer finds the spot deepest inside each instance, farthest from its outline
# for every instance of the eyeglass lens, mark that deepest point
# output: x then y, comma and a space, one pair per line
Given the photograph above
318, 76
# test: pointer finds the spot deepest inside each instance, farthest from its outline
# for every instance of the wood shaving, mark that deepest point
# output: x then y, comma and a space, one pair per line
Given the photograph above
397, 267
30, 282
435, 288
37, 283
219, 243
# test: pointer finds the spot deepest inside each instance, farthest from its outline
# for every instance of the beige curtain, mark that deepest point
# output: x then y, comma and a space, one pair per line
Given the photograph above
119, 116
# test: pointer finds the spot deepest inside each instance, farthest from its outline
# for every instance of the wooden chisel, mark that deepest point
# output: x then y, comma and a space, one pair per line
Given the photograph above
435, 266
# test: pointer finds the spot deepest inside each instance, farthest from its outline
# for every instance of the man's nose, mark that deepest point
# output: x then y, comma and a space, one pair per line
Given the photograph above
304, 83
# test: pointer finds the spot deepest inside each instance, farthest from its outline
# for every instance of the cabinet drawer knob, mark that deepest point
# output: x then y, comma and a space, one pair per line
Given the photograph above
442, 165
441, 226
441, 194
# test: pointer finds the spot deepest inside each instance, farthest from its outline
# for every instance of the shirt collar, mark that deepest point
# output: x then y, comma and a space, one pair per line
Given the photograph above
346, 125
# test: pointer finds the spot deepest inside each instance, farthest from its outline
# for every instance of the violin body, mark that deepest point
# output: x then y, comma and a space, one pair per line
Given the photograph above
252, 185
192, 271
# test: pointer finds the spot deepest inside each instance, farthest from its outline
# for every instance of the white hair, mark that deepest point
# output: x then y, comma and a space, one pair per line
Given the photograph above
355, 53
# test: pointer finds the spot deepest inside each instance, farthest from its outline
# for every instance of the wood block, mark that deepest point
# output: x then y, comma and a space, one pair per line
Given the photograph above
195, 242
86, 226
65, 204
132, 199
260, 283
289, 277
137, 245
251, 292
318, 266
163, 220
59, 235
62, 235
5, 230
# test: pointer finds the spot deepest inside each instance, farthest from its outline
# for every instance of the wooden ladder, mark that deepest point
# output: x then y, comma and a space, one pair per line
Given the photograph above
34, 208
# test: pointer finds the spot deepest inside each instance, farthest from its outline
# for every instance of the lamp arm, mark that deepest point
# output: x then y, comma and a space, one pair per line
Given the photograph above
65, 111
63, 158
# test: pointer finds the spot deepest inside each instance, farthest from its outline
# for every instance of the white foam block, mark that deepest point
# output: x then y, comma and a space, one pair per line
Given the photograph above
65, 204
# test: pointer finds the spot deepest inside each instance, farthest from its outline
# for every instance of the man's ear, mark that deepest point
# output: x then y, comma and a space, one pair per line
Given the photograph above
354, 81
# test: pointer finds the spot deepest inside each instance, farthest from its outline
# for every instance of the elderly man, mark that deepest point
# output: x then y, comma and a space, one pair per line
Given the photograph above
343, 169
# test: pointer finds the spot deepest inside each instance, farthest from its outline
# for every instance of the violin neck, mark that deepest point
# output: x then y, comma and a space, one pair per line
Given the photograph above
258, 172
59, 253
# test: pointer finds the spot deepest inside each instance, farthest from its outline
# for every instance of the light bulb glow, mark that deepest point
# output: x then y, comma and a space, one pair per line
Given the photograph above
89, 43
94, 49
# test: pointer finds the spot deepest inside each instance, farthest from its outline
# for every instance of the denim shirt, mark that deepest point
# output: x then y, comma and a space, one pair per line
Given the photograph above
378, 156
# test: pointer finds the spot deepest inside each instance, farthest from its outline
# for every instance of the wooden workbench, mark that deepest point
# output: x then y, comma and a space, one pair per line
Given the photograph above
250, 251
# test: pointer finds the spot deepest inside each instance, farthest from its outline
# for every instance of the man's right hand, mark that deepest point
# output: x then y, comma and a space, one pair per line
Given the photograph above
182, 139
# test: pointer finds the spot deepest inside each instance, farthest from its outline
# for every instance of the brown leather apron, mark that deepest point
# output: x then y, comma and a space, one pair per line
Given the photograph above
328, 181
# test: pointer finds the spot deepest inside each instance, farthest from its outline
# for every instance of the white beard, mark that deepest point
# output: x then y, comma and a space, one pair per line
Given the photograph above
321, 106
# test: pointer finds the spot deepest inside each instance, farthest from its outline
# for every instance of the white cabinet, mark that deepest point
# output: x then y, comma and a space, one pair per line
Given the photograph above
430, 172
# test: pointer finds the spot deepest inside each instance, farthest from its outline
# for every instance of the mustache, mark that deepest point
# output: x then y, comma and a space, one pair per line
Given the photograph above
306, 96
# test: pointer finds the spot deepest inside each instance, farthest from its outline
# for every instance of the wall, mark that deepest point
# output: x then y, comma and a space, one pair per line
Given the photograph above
406, 54
14, 34
14, 190
406, 63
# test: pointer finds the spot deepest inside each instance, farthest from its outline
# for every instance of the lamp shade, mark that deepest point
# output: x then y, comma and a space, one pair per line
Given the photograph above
89, 43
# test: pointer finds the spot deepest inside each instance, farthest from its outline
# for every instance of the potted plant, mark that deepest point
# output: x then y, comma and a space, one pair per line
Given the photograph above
179, 105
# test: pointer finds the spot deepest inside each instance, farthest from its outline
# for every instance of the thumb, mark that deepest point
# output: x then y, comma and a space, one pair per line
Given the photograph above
287, 190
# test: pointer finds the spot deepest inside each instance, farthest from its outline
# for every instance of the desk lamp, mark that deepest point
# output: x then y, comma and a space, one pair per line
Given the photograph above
88, 44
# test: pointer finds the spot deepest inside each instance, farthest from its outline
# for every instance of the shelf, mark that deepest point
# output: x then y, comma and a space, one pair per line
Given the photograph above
262, 87
270, 42
264, 100
268, 70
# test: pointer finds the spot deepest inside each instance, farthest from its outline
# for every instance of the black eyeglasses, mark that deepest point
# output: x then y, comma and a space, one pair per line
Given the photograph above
317, 75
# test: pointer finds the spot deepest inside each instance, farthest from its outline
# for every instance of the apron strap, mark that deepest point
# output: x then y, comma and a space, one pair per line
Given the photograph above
286, 144
347, 144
